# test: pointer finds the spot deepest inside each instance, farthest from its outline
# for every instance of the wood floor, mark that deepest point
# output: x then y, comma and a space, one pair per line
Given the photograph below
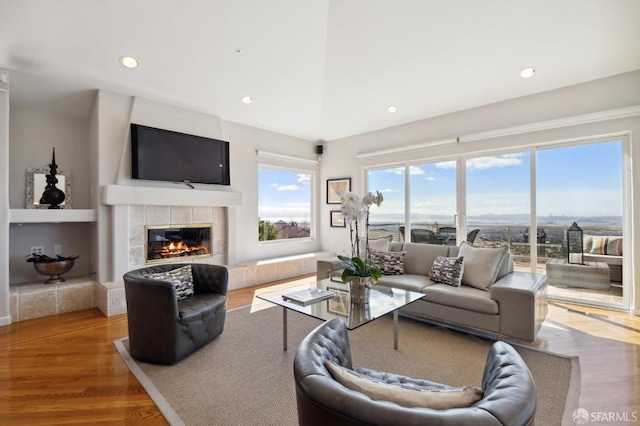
64, 369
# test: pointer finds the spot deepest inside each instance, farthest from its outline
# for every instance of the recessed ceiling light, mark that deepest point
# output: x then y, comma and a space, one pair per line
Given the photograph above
129, 61
392, 109
246, 99
527, 72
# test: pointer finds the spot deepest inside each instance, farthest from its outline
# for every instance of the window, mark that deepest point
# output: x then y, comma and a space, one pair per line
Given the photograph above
433, 202
388, 219
284, 204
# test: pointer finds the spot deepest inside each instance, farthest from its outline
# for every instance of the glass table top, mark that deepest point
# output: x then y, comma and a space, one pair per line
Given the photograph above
383, 300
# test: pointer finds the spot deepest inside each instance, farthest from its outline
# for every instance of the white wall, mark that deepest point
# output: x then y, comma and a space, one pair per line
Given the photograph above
5, 313
114, 114
601, 95
32, 136
244, 142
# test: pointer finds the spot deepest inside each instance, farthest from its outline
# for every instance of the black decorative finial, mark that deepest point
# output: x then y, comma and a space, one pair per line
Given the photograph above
52, 195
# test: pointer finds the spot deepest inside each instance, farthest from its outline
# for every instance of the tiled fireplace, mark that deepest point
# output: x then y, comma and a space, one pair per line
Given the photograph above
177, 242
161, 234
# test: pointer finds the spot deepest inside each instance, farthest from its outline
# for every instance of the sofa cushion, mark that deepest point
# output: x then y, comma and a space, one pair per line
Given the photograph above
420, 257
180, 278
411, 282
405, 391
389, 263
380, 244
606, 245
447, 270
481, 264
467, 298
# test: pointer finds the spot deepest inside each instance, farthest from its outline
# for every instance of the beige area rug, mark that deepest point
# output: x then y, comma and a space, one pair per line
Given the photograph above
244, 377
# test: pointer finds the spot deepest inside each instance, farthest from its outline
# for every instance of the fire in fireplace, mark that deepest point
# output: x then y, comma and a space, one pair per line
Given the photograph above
170, 242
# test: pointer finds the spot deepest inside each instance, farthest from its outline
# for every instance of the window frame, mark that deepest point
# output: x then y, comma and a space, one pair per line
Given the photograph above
312, 203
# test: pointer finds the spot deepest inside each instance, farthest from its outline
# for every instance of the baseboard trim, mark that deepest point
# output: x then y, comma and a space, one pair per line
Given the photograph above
5, 320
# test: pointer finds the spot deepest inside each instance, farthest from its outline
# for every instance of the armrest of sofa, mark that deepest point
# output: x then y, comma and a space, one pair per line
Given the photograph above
326, 266
522, 304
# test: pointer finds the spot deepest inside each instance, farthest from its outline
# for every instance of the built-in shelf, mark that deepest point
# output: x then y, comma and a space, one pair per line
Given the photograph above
51, 216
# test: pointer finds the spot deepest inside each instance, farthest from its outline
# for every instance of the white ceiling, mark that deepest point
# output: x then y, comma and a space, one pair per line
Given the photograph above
317, 69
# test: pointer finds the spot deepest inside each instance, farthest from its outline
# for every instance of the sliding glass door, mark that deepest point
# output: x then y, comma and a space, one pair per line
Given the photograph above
583, 184
498, 204
432, 205
389, 218
527, 200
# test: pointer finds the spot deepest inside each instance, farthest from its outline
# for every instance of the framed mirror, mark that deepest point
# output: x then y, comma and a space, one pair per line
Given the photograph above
37, 182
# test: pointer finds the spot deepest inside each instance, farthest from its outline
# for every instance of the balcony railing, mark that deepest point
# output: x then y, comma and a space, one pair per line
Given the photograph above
550, 239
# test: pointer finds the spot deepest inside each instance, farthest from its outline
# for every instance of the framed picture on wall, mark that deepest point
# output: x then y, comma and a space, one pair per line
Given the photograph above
337, 221
335, 189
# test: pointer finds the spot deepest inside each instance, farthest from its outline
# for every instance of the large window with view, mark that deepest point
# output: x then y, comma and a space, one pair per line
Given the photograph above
388, 219
526, 200
583, 184
499, 204
433, 206
284, 204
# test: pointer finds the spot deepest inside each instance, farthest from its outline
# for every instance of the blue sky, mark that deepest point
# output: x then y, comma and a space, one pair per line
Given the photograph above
583, 180
283, 195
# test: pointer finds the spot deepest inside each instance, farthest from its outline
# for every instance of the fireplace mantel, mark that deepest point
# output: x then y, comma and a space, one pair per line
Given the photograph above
152, 196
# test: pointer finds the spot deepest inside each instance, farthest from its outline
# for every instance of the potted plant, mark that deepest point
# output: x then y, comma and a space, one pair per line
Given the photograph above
358, 272
52, 266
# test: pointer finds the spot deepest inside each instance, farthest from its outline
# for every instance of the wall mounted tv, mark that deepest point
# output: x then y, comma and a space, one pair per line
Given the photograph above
158, 154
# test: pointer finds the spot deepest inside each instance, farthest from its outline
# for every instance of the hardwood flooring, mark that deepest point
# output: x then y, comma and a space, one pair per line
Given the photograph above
64, 369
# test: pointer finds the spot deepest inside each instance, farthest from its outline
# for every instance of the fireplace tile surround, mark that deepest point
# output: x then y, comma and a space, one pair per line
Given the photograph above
141, 216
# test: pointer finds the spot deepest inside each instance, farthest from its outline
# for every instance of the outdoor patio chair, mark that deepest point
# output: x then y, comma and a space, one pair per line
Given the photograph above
424, 236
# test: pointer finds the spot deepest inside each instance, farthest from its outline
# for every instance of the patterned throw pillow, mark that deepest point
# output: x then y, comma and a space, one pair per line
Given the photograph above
389, 262
607, 245
181, 278
447, 270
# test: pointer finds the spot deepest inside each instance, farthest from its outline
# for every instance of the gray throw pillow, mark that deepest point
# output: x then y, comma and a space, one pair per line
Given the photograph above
447, 270
180, 278
481, 264
441, 398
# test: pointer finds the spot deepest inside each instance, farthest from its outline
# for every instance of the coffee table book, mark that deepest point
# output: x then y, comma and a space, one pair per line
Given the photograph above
308, 296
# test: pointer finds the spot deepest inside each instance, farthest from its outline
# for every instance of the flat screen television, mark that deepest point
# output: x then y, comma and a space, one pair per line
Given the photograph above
158, 154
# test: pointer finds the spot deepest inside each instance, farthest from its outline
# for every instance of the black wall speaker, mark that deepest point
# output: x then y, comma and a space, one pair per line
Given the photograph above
319, 149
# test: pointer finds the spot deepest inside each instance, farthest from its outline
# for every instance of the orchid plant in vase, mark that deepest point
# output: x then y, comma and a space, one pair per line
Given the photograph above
355, 210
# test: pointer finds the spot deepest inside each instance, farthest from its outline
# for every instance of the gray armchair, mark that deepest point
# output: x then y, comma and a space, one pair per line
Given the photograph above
509, 394
163, 330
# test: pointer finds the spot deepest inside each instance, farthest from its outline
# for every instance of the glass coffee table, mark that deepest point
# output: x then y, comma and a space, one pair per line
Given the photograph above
383, 300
